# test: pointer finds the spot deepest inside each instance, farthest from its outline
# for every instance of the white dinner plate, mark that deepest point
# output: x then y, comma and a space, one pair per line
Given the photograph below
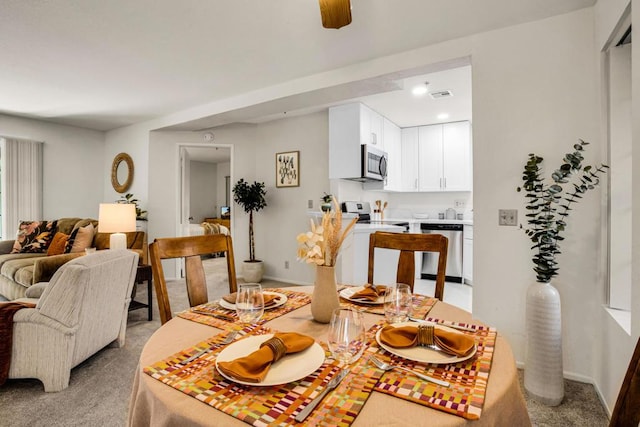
282, 299
347, 293
291, 367
425, 354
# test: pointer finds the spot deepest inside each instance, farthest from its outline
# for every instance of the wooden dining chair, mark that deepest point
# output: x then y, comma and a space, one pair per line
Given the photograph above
408, 244
626, 412
190, 248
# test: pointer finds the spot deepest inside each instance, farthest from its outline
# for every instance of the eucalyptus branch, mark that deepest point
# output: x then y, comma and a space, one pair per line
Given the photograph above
549, 209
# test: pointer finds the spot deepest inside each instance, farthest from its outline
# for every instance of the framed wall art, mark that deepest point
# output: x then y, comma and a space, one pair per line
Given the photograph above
288, 169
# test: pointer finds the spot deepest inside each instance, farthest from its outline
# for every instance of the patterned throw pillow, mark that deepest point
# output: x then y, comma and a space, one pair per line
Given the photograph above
57, 245
79, 239
34, 236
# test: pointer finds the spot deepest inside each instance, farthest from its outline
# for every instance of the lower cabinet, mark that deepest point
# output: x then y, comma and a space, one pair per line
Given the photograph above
467, 255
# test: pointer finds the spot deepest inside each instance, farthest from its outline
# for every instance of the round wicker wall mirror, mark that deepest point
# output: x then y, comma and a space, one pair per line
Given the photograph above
122, 172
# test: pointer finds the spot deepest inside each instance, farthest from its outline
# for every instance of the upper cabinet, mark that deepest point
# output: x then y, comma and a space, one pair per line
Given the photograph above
409, 172
431, 158
350, 126
444, 157
392, 145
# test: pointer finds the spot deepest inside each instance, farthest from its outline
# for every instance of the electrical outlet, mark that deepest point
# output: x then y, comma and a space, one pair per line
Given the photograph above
508, 217
459, 203
310, 204
286, 264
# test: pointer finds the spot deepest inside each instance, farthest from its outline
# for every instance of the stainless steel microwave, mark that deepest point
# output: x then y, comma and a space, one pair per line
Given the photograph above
374, 163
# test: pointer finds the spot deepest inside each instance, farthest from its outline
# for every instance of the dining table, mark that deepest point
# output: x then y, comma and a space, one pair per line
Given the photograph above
161, 395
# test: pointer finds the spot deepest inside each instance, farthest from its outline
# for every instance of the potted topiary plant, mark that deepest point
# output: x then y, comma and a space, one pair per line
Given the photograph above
325, 206
251, 198
548, 207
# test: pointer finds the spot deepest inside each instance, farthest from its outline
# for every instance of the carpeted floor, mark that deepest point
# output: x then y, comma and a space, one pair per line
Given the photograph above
98, 393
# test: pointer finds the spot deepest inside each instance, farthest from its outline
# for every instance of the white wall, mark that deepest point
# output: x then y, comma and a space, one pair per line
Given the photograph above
615, 347
286, 216
204, 191
224, 170
133, 140
73, 173
536, 87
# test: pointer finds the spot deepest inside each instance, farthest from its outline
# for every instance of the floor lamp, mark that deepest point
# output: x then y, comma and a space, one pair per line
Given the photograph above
117, 218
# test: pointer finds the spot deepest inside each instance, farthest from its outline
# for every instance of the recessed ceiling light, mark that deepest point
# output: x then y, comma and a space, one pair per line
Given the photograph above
443, 116
420, 89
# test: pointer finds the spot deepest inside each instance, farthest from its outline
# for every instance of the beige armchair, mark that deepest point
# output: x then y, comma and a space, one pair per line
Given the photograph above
83, 309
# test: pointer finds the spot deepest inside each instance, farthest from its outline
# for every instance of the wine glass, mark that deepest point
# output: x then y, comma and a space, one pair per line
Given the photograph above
249, 302
346, 335
398, 303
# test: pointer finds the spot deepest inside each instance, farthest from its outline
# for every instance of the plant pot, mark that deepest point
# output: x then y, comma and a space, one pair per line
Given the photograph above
325, 207
543, 377
252, 271
325, 294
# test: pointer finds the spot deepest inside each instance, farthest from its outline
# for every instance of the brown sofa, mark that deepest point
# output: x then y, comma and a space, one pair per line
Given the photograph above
19, 271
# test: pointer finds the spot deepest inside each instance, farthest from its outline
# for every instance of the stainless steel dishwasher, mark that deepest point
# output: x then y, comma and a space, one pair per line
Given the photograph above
453, 232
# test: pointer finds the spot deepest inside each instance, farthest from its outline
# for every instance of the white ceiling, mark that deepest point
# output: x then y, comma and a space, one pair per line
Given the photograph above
106, 64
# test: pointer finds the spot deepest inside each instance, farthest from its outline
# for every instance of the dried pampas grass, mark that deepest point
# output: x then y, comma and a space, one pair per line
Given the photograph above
321, 245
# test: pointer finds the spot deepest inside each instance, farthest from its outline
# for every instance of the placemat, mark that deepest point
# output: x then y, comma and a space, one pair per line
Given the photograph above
273, 406
210, 310
422, 304
468, 379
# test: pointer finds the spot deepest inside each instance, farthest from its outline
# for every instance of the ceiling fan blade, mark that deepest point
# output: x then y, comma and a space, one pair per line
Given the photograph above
335, 13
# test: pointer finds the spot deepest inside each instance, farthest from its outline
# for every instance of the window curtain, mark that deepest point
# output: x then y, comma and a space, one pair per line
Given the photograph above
21, 183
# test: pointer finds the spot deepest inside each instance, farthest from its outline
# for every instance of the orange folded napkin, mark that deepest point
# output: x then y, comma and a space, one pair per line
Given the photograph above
410, 336
254, 367
370, 292
269, 299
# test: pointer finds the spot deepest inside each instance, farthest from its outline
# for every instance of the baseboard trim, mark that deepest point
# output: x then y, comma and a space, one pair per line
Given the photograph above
581, 379
568, 375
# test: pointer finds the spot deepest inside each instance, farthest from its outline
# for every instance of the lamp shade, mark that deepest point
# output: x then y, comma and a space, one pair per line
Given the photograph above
117, 218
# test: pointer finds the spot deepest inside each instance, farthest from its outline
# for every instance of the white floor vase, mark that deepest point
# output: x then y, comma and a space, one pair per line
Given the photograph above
543, 377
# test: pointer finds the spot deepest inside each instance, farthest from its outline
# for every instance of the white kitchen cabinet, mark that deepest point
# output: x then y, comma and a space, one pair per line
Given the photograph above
354, 259
430, 153
444, 153
467, 254
409, 173
392, 145
350, 126
376, 129
456, 156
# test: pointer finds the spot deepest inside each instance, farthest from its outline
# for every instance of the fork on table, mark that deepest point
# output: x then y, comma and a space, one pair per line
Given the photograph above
387, 367
226, 341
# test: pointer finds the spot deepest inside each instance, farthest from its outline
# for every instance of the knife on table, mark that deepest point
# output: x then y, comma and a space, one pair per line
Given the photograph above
311, 406
216, 315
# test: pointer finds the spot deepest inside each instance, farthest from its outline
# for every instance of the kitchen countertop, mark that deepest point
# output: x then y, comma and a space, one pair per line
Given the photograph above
429, 221
371, 228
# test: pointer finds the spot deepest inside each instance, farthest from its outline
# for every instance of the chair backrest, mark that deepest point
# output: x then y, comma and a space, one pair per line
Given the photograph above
190, 248
91, 294
626, 412
408, 244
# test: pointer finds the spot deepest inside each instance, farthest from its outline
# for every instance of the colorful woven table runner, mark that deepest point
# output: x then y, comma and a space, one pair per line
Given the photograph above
295, 300
468, 379
422, 304
273, 406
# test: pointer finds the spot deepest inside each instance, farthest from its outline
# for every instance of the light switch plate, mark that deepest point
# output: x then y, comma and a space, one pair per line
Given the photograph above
508, 217
310, 204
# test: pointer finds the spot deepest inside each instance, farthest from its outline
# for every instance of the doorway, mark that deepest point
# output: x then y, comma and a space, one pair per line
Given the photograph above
206, 173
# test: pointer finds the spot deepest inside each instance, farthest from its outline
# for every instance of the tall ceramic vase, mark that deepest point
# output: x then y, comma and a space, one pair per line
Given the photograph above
543, 377
325, 294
